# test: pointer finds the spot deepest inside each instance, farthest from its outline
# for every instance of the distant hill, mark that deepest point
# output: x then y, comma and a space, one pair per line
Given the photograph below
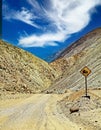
22, 72
84, 52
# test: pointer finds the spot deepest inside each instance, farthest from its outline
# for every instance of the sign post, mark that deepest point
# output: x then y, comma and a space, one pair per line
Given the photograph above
86, 86
85, 72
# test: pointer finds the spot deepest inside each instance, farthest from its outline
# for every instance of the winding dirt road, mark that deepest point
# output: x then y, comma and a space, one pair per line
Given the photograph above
38, 112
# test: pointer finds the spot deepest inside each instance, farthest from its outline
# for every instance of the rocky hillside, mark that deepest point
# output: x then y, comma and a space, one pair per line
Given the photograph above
84, 52
20, 71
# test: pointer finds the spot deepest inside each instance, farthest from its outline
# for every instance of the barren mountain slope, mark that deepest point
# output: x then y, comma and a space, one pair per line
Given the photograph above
81, 44
20, 71
84, 52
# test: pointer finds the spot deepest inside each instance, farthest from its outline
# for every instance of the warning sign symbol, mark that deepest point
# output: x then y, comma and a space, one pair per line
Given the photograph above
85, 71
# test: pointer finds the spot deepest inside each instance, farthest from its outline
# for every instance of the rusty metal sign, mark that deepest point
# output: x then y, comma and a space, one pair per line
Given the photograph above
85, 71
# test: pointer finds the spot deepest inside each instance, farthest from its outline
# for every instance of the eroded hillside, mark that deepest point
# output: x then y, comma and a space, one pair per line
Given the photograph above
84, 52
21, 72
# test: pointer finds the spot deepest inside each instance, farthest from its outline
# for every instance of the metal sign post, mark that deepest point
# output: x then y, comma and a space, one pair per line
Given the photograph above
85, 72
86, 86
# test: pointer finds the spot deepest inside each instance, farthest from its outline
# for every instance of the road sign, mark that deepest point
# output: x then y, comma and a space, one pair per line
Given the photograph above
85, 71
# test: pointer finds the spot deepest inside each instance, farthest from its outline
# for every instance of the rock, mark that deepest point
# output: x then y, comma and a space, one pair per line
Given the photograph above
74, 109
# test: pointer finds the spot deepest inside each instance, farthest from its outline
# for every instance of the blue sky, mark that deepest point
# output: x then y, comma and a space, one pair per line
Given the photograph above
44, 27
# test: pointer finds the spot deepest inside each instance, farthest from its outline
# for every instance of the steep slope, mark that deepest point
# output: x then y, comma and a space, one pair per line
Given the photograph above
84, 52
20, 71
81, 44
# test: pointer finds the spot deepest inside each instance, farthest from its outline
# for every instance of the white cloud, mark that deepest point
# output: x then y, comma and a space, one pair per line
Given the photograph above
34, 4
71, 16
67, 17
23, 15
41, 40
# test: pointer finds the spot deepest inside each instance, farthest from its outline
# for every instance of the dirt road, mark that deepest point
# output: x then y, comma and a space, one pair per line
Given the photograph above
38, 112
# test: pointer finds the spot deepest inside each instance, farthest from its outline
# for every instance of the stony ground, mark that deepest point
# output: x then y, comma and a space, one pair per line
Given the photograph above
89, 110
50, 111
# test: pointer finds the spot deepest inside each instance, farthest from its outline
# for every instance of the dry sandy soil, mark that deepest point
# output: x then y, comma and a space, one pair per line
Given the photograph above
44, 112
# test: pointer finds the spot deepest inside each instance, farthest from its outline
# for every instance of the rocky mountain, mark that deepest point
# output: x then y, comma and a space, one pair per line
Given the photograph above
84, 52
22, 72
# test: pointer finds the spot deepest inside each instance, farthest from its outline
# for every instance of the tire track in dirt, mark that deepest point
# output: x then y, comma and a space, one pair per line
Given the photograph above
38, 112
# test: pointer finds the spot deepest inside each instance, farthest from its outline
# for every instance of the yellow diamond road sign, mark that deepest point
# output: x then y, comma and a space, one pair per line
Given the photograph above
85, 71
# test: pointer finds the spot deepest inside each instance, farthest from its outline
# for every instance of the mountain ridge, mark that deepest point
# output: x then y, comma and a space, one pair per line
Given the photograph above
84, 52
20, 71
67, 50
